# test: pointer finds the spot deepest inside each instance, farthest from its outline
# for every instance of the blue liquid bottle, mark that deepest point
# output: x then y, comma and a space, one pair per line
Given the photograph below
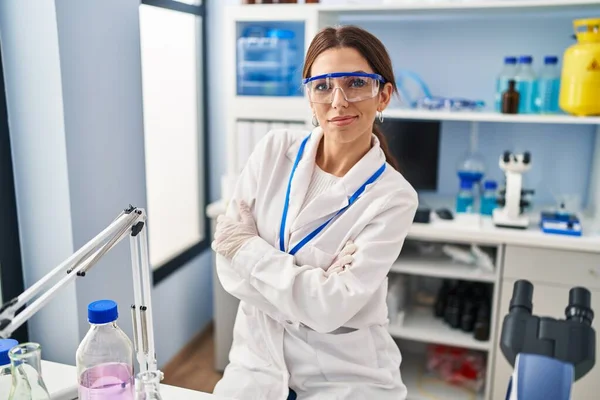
488, 199
465, 198
548, 87
506, 74
526, 85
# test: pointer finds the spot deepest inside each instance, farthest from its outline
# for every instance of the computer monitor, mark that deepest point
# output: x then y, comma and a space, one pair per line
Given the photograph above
416, 146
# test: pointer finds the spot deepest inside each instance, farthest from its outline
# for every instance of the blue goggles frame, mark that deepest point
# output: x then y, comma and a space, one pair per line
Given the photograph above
343, 75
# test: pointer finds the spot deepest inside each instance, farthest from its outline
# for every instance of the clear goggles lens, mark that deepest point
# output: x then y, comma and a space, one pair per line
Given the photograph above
354, 86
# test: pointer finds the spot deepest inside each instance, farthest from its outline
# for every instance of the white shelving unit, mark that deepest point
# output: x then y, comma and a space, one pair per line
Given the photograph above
420, 325
417, 325
441, 268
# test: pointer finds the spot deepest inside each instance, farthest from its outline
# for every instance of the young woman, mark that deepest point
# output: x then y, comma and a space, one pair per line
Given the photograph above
316, 222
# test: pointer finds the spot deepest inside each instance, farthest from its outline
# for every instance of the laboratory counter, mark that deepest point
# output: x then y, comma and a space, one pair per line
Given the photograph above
481, 230
61, 381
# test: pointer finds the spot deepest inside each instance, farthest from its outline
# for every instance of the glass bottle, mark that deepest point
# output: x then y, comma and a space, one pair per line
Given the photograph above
26, 366
465, 198
510, 99
104, 358
506, 74
147, 385
5, 369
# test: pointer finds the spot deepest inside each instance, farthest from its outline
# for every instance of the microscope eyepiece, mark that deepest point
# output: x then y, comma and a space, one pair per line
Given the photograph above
526, 157
522, 296
579, 308
506, 156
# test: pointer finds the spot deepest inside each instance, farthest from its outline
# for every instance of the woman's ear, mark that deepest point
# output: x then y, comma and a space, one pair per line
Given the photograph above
385, 95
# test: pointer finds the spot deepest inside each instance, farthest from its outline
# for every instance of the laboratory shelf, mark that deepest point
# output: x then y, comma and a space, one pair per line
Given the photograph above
438, 267
489, 117
420, 386
272, 108
420, 325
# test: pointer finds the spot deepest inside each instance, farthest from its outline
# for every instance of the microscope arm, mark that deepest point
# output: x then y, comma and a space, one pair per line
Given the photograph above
132, 222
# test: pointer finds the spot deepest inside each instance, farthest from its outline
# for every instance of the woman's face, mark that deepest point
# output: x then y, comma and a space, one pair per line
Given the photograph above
343, 121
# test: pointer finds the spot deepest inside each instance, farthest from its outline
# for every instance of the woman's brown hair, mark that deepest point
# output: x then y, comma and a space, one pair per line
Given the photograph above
370, 48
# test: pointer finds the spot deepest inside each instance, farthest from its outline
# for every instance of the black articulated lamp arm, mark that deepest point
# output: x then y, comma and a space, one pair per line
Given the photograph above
571, 340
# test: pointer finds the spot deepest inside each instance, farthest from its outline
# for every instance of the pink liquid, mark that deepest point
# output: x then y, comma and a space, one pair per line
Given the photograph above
107, 382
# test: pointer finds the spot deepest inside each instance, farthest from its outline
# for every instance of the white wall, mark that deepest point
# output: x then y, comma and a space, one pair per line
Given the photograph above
73, 78
35, 111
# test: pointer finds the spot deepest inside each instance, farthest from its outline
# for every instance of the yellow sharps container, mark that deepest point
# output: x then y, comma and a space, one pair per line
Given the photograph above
580, 80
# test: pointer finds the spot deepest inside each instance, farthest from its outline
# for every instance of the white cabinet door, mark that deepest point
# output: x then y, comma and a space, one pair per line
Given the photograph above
548, 301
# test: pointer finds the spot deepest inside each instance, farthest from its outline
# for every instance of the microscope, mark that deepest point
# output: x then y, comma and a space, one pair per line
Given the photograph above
548, 355
510, 213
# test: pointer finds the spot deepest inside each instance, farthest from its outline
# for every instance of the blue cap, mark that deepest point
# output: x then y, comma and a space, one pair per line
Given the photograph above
5, 346
525, 60
102, 312
510, 60
490, 185
466, 184
550, 60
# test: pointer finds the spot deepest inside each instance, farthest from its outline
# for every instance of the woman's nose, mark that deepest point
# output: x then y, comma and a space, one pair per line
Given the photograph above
339, 98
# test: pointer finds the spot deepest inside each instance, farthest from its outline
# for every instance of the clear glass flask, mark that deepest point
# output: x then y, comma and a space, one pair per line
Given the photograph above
26, 365
5, 368
147, 385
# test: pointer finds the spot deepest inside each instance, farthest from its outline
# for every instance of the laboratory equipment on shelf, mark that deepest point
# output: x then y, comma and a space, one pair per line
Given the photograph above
548, 355
512, 200
465, 197
510, 99
526, 85
267, 62
580, 77
102, 373
489, 199
506, 74
471, 167
26, 367
5, 368
130, 222
548, 87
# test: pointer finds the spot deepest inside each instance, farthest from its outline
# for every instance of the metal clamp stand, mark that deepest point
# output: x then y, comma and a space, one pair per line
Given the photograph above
132, 222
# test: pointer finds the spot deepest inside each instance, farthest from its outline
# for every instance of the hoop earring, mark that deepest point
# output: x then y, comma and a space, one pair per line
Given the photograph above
380, 116
315, 121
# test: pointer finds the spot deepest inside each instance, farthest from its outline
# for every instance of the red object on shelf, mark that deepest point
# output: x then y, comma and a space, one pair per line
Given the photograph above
457, 366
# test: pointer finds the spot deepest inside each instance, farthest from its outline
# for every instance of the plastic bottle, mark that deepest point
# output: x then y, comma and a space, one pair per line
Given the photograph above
105, 357
506, 74
548, 87
5, 371
465, 198
526, 85
488, 199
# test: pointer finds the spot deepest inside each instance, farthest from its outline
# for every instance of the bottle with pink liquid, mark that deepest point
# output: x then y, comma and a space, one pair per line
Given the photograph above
105, 357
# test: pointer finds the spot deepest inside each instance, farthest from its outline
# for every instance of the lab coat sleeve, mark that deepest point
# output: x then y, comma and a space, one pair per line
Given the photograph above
325, 303
245, 190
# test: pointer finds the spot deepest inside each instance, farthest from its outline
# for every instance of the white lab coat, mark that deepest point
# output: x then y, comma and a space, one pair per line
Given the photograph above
324, 336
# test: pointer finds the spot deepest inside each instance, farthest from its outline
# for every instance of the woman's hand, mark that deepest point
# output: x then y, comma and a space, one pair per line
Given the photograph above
231, 235
343, 260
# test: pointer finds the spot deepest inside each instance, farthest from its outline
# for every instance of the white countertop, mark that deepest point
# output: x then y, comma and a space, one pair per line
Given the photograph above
482, 230
61, 381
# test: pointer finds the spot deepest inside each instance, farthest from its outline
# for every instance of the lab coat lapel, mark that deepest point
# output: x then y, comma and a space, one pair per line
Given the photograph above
302, 177
337, 197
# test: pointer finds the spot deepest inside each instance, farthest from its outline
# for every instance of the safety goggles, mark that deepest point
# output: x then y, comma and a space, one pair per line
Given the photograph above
355, 86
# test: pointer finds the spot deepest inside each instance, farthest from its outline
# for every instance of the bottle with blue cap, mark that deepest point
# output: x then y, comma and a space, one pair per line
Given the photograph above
526, 85
488, 199
506, 74
548, 88
5, 371
105, 357
465, 199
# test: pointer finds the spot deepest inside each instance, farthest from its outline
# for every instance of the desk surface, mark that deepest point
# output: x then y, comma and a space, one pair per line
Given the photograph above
61, 381
483, 231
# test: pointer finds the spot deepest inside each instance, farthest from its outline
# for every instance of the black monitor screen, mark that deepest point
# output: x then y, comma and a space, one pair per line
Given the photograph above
415, 144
